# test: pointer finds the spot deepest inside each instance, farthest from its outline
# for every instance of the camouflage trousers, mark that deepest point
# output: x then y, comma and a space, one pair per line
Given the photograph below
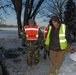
33, 56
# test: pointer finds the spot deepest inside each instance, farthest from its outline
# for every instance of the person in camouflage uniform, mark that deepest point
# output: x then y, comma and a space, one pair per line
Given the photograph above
33, 46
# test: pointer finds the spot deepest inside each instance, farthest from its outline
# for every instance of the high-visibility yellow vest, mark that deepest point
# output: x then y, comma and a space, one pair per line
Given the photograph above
62, 39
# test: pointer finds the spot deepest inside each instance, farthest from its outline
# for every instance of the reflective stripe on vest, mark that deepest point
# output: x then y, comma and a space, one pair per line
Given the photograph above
31, 33
31, 29
62, 39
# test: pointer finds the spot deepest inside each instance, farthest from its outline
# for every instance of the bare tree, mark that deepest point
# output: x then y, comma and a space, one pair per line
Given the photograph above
54, 7
30, 10
18, 9
3, 10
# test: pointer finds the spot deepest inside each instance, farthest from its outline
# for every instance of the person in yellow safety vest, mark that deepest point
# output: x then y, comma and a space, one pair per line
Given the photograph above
45, 53
58, 38
33, 38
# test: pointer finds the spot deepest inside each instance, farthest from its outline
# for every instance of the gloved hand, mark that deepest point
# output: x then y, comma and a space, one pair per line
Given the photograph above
47, 47
24, 45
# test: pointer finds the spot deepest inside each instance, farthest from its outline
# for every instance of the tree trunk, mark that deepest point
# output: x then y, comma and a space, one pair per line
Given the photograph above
26, 18
18, 9
19, 24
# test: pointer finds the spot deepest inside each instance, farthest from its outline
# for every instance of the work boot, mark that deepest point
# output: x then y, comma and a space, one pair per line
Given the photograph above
56, 71
51, 74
